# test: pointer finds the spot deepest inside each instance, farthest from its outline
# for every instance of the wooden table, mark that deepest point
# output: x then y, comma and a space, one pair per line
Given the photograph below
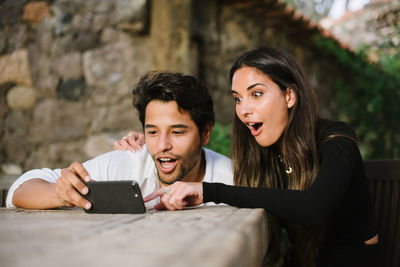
203, 236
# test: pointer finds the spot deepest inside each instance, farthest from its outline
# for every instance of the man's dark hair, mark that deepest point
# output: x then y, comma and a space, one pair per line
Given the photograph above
188, 92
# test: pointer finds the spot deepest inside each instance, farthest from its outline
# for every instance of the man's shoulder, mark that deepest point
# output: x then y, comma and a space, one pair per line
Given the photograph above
121, 159
118, 155
218, 168
213, 156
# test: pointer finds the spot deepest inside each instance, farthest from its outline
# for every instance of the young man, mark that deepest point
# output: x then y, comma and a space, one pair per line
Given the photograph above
176, 112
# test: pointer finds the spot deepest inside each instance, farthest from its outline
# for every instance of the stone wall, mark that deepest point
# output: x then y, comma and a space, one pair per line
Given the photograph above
223, 32
67, 68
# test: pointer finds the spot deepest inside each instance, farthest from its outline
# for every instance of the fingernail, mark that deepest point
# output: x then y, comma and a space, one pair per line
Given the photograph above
88, 205
87, 178
85, 190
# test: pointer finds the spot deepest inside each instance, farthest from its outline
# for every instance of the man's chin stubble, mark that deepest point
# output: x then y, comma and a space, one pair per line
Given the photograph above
178, 178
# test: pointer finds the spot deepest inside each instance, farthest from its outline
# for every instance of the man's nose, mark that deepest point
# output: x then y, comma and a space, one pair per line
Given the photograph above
164, 143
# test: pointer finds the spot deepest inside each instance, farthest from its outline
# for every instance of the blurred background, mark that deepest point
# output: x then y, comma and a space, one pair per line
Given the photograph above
67, 67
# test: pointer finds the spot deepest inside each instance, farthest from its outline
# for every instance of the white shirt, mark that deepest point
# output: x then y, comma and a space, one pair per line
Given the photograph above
126, 165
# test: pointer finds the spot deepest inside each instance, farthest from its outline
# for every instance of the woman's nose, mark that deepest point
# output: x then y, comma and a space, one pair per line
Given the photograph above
244, 108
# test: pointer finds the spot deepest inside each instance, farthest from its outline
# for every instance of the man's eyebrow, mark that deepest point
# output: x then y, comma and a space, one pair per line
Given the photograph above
248, 88
182, 126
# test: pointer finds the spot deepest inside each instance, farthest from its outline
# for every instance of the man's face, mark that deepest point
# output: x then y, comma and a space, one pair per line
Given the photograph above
173, 141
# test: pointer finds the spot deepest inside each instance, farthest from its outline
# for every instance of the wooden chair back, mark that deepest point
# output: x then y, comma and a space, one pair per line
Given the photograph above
384, 182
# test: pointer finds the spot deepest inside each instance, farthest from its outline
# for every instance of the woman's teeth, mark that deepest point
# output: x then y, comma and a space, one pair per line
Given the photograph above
255, 125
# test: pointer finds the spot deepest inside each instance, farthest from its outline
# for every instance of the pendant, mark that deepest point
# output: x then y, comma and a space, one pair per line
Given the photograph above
289, 171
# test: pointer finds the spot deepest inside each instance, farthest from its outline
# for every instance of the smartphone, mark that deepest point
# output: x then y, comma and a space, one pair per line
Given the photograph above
115, 197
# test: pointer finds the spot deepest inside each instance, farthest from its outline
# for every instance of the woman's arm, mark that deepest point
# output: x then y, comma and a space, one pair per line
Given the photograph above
313, 206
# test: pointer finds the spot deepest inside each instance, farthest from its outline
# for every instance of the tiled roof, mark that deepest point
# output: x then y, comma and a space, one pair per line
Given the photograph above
276, 13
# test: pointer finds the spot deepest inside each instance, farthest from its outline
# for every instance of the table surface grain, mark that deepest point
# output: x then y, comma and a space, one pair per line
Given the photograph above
201, 236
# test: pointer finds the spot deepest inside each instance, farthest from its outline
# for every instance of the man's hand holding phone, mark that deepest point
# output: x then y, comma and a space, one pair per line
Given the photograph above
70, 187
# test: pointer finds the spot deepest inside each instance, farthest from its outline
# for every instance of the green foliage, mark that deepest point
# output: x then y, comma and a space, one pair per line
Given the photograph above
368, 98
220, 140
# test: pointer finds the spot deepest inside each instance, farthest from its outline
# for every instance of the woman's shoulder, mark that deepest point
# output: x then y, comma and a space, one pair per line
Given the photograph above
331, 127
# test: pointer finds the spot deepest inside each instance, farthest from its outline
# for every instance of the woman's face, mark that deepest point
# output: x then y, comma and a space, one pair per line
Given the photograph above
261, 105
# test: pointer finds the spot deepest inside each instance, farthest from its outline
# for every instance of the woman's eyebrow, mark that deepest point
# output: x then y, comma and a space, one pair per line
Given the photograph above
254, 85
249, 88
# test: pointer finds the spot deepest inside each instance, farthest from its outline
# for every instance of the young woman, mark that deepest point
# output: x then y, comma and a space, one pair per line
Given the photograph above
304, 170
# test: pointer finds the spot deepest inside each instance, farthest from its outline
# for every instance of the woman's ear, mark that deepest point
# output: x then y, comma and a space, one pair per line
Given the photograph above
205, 135
291, 97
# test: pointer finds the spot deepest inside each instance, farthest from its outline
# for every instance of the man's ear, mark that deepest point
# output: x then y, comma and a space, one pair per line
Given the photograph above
291, 97
205, 136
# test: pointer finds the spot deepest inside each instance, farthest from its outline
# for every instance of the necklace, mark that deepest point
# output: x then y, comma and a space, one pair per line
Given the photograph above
287, 167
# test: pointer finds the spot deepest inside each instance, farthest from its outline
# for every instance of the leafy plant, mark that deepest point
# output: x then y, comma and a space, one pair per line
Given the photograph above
220, 140
368, 99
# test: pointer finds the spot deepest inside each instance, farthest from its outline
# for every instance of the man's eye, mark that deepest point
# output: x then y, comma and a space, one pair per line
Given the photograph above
151, 132
177, 132
257, 94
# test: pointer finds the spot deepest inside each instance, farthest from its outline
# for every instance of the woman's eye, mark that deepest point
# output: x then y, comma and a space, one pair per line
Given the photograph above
257, 94
236, 99
151, 132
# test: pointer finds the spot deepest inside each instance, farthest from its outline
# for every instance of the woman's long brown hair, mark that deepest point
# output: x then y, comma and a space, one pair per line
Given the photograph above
257, 166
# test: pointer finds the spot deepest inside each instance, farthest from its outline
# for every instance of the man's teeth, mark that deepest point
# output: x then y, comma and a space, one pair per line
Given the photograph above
165, 159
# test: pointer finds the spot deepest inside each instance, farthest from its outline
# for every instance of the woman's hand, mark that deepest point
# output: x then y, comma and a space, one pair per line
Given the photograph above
133, 141
177, 196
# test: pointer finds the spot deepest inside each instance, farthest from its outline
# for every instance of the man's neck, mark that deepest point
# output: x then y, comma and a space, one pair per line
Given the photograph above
198, 172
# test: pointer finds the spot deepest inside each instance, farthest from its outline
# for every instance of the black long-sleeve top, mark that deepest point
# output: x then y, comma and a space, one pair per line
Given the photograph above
339, 195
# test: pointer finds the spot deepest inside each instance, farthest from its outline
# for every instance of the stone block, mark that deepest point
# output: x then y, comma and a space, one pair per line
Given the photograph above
118, 116
11, 11
234, 37
15, 68
21, 97
45, 80
3, 41
15, 138
55, 155
131, 12
35, 11
117, 66
57, 120
72, 89
98, 144
17, 37
11, 169
69, 66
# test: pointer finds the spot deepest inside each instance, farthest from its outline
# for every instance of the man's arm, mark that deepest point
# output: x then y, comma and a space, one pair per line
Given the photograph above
37, 194
41, 194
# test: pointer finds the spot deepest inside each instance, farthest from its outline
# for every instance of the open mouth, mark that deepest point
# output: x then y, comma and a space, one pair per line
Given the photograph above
167, 164
255, 127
